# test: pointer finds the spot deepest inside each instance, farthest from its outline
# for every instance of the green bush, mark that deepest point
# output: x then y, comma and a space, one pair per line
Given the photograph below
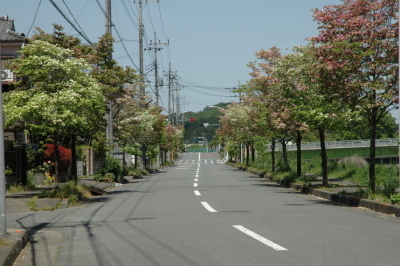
70, 190
111, 165
110, 177
306, 179
289, 177
332, 166
387, 179
97, 177
311, 166
395, 199
282, 167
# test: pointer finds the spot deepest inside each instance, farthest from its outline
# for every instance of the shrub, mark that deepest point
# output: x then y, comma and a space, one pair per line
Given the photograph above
312, 166
97, 177
395, 199
332, 166
306, 179
109, 177
111, 165
144, 172
33, 204
282, 167
354, 160
289, 177
70, 190
387, 179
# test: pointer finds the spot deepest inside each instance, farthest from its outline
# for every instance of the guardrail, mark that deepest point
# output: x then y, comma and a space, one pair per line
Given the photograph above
339, 144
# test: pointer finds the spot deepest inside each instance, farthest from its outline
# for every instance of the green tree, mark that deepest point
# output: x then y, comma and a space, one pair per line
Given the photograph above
356, 55
55, 95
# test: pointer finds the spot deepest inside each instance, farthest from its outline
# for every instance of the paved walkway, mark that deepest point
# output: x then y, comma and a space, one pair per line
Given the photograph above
12, 244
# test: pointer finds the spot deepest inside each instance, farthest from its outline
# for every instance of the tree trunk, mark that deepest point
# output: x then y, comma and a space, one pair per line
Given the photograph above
324, 157
136, 157
253, 152
299, 138
247, 154
284, 153
144, 159
57, 166
74, 169
273, 155
239, 153
373, 124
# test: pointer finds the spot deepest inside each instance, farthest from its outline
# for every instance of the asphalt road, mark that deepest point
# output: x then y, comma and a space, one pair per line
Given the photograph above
203, 212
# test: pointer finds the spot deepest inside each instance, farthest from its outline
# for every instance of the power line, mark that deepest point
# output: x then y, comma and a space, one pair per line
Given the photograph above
202, 86
70, 22
210, 94
74, 17
119, 36
129, 14
34, 18
162, 22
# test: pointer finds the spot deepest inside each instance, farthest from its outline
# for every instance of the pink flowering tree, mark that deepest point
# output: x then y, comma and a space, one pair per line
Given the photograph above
241, 119
309, 108
279, 112
356, 55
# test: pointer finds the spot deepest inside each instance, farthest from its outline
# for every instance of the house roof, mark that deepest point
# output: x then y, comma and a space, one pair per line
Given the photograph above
7, 31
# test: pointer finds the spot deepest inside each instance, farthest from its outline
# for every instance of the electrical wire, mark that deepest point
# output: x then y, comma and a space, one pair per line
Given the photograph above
162, 22
34, 18
202, 86
119, 36
70, 22
83, 9
69, 10
210, 94
129, 14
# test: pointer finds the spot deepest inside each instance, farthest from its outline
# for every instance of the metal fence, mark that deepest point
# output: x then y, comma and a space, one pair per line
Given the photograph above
338, 144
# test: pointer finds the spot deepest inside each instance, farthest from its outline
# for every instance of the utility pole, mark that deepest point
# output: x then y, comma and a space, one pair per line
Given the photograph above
141, 33
177, 105
3, 215
155, 46
109, 115
171, 76
108, 16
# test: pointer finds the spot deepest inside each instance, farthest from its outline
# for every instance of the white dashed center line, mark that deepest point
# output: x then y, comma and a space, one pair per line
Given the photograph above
259, 238
208, 207
197, 193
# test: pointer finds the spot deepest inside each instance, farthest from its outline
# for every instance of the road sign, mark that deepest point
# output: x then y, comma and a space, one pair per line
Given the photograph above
192, 119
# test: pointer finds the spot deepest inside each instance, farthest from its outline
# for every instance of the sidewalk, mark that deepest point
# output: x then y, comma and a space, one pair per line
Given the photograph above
340, 191
16, 239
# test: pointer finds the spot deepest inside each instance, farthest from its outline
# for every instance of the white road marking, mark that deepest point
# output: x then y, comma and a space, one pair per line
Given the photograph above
196, 180
208, 207
259, 238
195, 185
197, 193
197, 175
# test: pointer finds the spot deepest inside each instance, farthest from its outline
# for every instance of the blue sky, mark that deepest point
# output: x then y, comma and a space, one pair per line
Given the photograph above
210, 41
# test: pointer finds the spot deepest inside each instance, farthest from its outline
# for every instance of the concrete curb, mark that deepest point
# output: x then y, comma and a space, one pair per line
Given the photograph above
14, 242
390, 209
